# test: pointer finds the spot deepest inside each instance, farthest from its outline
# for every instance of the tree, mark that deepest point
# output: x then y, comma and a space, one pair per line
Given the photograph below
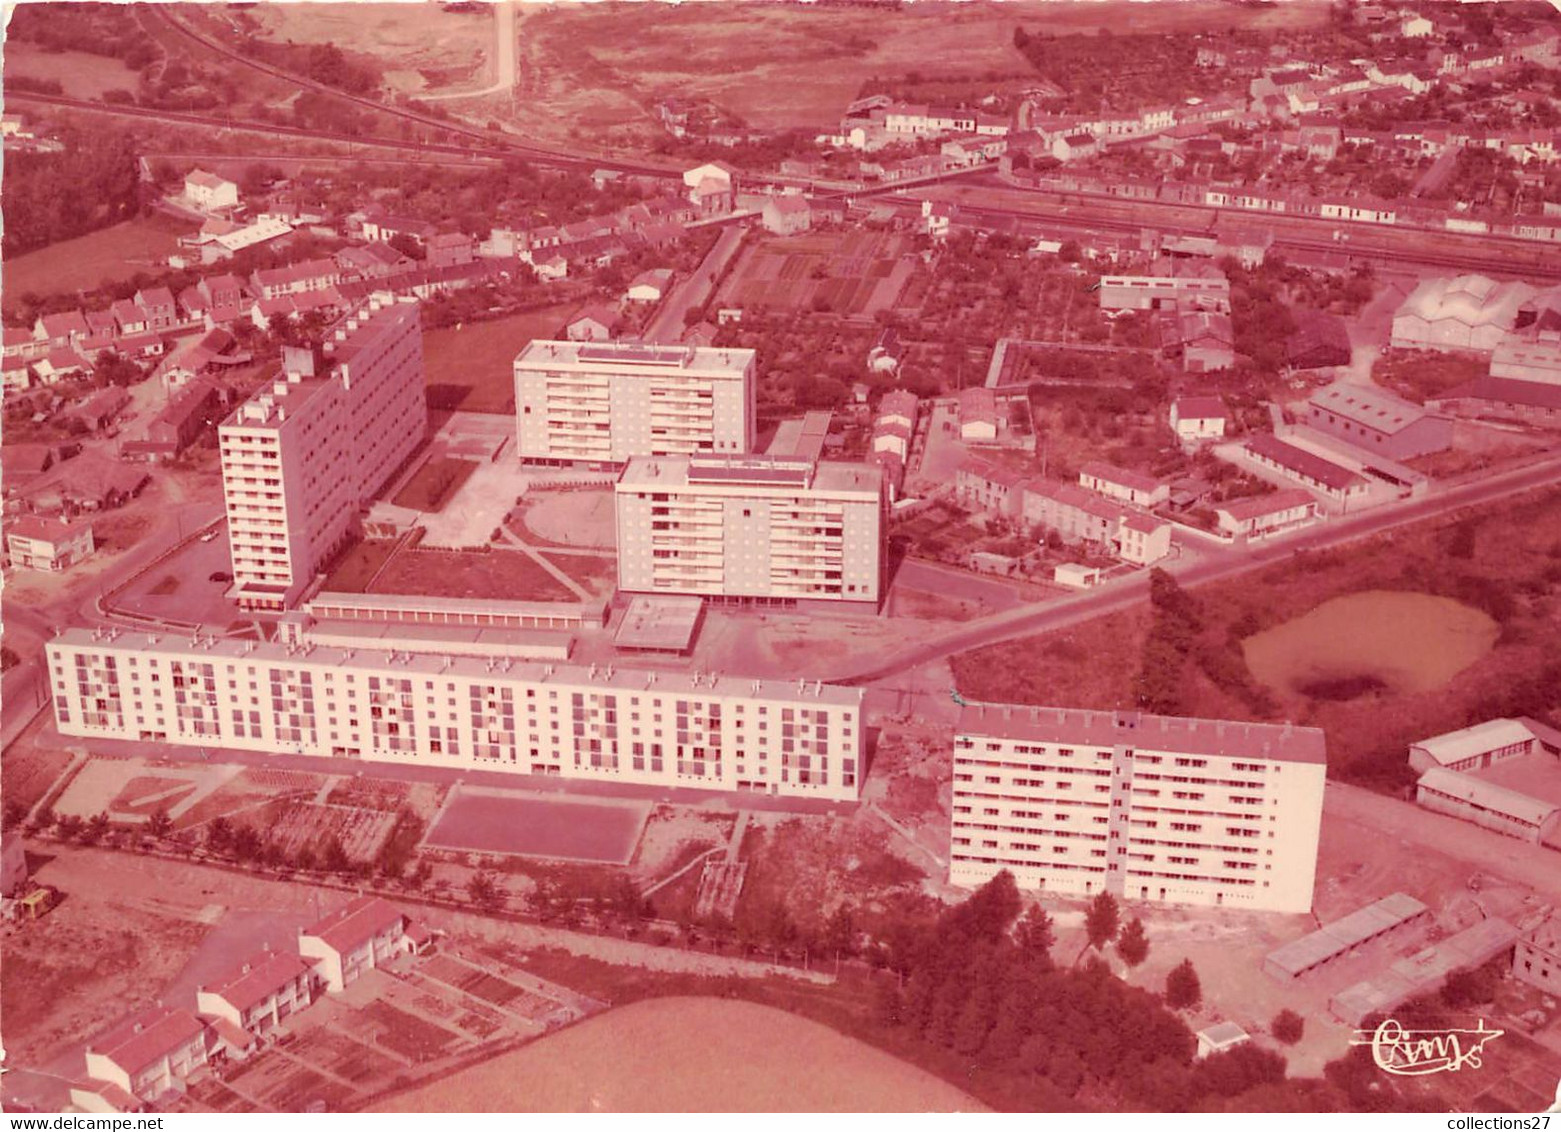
1287, 1027
1183, 991
1133, 943
219, 834
333, 856
1100, 923
1034, 935
13, 814
159, 824
485, 892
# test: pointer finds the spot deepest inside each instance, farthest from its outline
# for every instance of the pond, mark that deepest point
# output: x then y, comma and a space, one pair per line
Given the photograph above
1376, 641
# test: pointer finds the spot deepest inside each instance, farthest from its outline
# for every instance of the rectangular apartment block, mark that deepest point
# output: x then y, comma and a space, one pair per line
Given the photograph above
752, 528
601, 403
1147, 807
301, 457
602, 724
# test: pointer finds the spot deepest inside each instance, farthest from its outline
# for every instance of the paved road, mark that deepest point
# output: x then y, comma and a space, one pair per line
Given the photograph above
959, 584
667, 326
1125, 593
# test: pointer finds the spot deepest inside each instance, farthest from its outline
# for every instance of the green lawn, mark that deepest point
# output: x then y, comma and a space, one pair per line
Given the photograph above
105, 256
434, 483
471, 368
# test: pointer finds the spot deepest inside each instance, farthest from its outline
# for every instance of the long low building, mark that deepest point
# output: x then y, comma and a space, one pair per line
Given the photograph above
1423, 972
601, 723
1147, 807
1333, 481
1376, 421
1536, 403
1485, 744
1482, 803
1388, 916
1258, 516
416, 609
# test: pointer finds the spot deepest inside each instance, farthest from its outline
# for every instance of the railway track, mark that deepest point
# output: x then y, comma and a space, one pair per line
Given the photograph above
513, 147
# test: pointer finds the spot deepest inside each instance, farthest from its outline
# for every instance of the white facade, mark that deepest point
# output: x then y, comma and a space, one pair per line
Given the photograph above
209, 191
303, 455
602, 724
754, 528
1155, 808
604, 402
366, 934
261, 993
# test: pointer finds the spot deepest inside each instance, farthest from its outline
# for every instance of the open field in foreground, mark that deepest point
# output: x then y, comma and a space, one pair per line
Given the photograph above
105, 256
472, 367
690, 1055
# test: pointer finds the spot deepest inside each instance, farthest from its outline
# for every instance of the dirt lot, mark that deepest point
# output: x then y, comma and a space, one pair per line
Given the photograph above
691, 1055
848, 272
472, 368
569, 518
674, 834
109, 255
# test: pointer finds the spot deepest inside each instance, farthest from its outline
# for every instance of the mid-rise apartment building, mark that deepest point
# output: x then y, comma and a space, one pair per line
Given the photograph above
1147, 807
602, 403
304, 454
752, 528
599, 723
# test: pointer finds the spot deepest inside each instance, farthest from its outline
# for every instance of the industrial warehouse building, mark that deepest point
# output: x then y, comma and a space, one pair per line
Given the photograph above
1471, 312
598, 404
1376, 421
1148, 807
601, 724
1332, 481
755, 529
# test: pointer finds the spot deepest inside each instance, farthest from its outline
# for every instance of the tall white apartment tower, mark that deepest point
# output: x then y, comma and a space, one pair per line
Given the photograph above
752, 528
301, 456
1147, 807
602, 403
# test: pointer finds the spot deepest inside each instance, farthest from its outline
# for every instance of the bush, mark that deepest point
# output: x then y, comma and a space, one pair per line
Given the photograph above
1288, 1027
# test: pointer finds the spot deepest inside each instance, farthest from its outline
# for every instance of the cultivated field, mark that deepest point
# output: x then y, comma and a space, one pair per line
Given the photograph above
107, 256
850, 273
472, 367
690, 1055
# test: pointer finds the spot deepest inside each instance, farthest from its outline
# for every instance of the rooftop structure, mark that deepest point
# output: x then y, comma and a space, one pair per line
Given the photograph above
1377, 421
601, 403
660, 624
1470, 312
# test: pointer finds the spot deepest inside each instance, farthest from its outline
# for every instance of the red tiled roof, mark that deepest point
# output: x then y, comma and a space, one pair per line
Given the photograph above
1257, 506
1138, 481
41, 529
1201, 409
148, 1037
258, 979
359, 921
1333, 476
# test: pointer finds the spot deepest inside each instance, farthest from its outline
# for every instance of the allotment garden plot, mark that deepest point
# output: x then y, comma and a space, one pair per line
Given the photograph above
847, 273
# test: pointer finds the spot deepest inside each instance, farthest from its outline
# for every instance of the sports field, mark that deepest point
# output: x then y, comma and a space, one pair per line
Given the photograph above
487, 821
690, 1055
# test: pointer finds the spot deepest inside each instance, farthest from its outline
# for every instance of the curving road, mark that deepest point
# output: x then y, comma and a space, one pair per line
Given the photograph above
504, 52
1116, 596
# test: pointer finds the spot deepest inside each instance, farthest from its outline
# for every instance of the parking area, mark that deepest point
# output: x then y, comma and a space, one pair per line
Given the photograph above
480, 820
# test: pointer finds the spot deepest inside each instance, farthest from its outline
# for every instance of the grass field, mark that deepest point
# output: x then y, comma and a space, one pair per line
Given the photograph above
471, 368
105, 256
690, 1055
434, 483
359, 564
80, 75
538, 827
598, 575
502, 574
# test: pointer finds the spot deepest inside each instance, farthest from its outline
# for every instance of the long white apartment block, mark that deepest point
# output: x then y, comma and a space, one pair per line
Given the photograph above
1146, 807
302, 455
752, 528
602, 403
598, 723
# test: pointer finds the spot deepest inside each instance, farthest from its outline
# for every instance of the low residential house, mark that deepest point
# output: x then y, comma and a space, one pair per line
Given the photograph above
1123, 484
1377, 421
984, 486
1258, 516
899, 407
384, 226
937, 218
213, 351
296, 279
150, 1053
16, 375
786, 215
367, 933
1320, 341
129, 318
90, 482
1537, 958
977, 415
1207, 341
33, 542
57, 331
1484, 745
372, 261
193, 409
650, 286
58, 365
596, 323
220, 299
1330, 480
260, 993
885, 355
1196, 420
21, 345
550, 269
209, 192
449, 249
1078, 516
1142, 539
1075, 147
97, 411
158, 304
